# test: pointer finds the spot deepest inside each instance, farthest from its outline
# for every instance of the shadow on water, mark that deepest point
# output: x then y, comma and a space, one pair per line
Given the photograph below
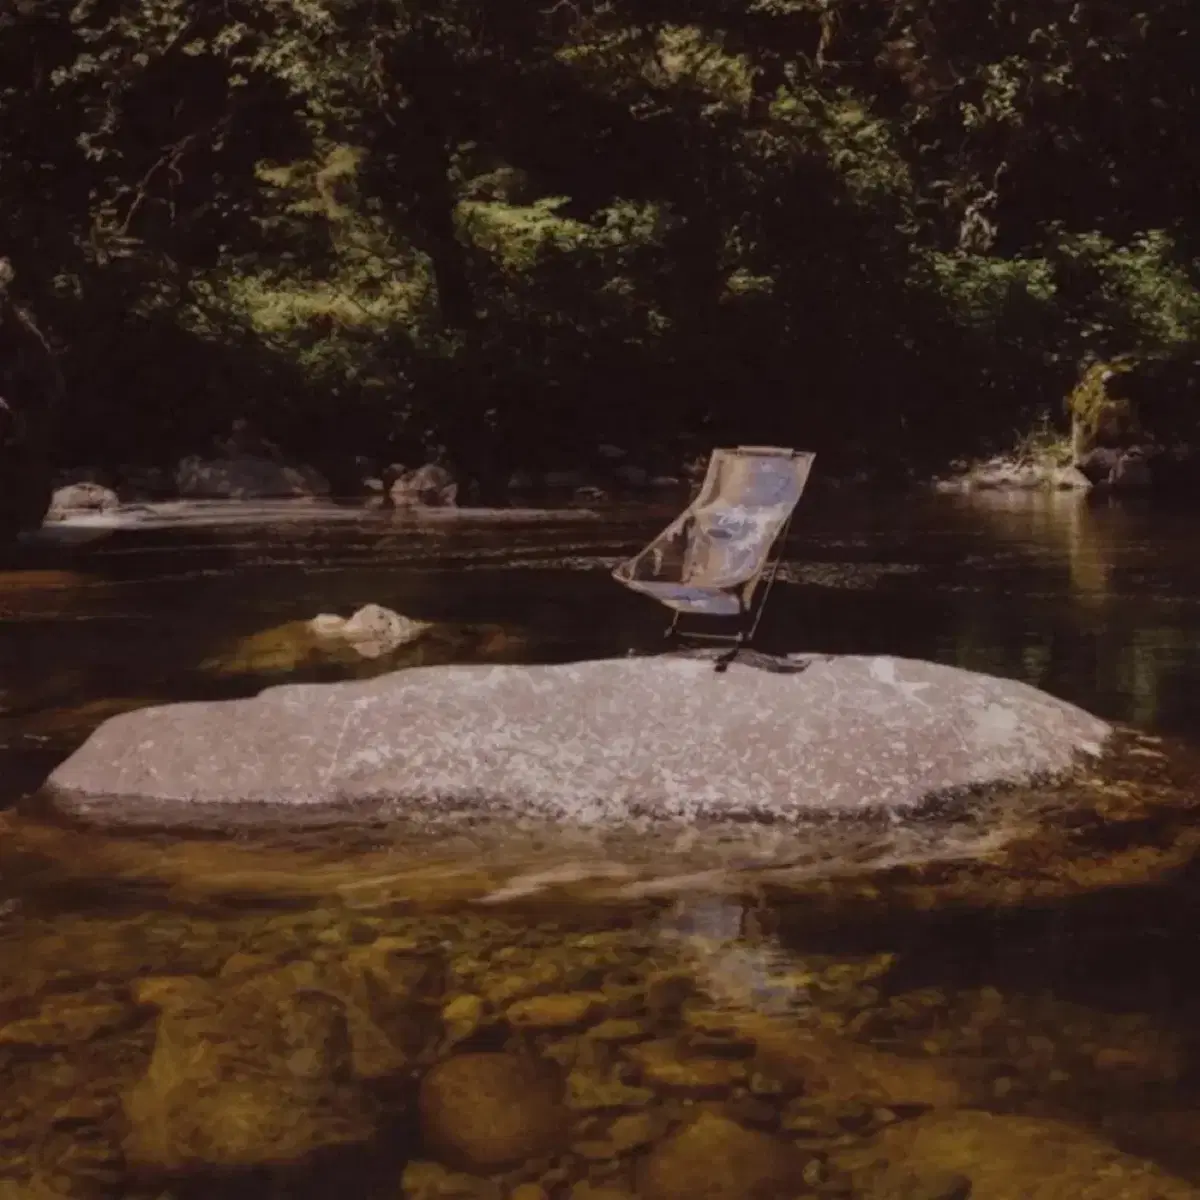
196, 1017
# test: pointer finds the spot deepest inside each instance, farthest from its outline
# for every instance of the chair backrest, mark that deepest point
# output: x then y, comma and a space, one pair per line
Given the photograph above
723, 539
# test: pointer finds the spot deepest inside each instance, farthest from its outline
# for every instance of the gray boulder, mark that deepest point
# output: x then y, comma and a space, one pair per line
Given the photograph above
78, 498
602, 745
428, 486
1097, 465
1132, 472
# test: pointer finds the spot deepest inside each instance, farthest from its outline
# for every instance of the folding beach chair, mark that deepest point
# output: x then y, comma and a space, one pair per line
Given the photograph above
708, 563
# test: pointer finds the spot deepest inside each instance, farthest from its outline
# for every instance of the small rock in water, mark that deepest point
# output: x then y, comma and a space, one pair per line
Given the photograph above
462, 1017
432, 1181
65, 1021
846, 1071
662, 1065
717, 1159
372, 631
1007, 1158
619, 1029
485, 1111
585, 1190
564, 1010
932, 1185
528, 1191
78, 498
591, 1093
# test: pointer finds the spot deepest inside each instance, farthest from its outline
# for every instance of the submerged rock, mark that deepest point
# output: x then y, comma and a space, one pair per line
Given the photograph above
1008, 1158
65, 1021
292, 646
603, 744
374, 637
431, 1181
842, 1071
484, 1111
83, 497
244, 1079
372, 631
717, 1159
267, 1063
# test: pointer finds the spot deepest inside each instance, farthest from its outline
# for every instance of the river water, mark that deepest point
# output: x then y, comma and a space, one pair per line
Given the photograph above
158, 1033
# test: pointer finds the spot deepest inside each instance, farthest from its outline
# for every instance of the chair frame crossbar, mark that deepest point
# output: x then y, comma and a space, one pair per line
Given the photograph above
752, 603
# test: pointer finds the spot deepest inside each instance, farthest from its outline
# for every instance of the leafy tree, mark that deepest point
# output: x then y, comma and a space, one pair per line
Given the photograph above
889, 232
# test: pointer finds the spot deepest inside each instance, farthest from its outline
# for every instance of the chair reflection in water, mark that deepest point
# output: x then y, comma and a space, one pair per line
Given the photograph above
716, 562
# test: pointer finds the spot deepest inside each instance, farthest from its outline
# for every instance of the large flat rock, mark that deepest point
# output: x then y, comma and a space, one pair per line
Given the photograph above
598, 744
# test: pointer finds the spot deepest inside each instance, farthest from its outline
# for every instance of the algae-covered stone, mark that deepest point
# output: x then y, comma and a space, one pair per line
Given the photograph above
668, 991
591, 1092
373, 632
262, 1081
799, 1119
563, 1010
628, 1132
171, 991
662, 1064
1010, 1158
462, 1016
617, 1030
65, 1021
924, 1185
432, 1181
632, 1130
717, 1159
843, 1071
385, 1023
502, 988
486, 1111
584, 1190
529, 1191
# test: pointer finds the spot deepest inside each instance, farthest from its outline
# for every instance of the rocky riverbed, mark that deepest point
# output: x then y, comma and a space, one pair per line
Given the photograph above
974, 1000
210, 1018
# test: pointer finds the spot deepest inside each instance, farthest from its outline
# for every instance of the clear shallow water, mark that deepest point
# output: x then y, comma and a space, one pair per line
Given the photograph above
1021, 992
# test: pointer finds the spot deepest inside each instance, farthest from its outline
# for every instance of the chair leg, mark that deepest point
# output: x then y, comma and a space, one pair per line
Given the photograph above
723, 660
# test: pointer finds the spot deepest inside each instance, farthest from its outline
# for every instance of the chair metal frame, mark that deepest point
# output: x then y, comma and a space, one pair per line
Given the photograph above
752, 594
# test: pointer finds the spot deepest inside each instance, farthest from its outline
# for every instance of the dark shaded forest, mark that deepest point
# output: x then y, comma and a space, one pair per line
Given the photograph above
891, 232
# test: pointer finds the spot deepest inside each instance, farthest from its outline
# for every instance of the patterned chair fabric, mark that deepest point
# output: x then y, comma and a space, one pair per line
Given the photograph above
710, 558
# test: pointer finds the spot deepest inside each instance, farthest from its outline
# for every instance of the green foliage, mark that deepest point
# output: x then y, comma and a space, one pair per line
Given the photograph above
1096, 403
1132, 298
882, 232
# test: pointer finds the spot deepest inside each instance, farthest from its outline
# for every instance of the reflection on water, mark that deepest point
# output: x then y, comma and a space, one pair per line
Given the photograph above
323, 1013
